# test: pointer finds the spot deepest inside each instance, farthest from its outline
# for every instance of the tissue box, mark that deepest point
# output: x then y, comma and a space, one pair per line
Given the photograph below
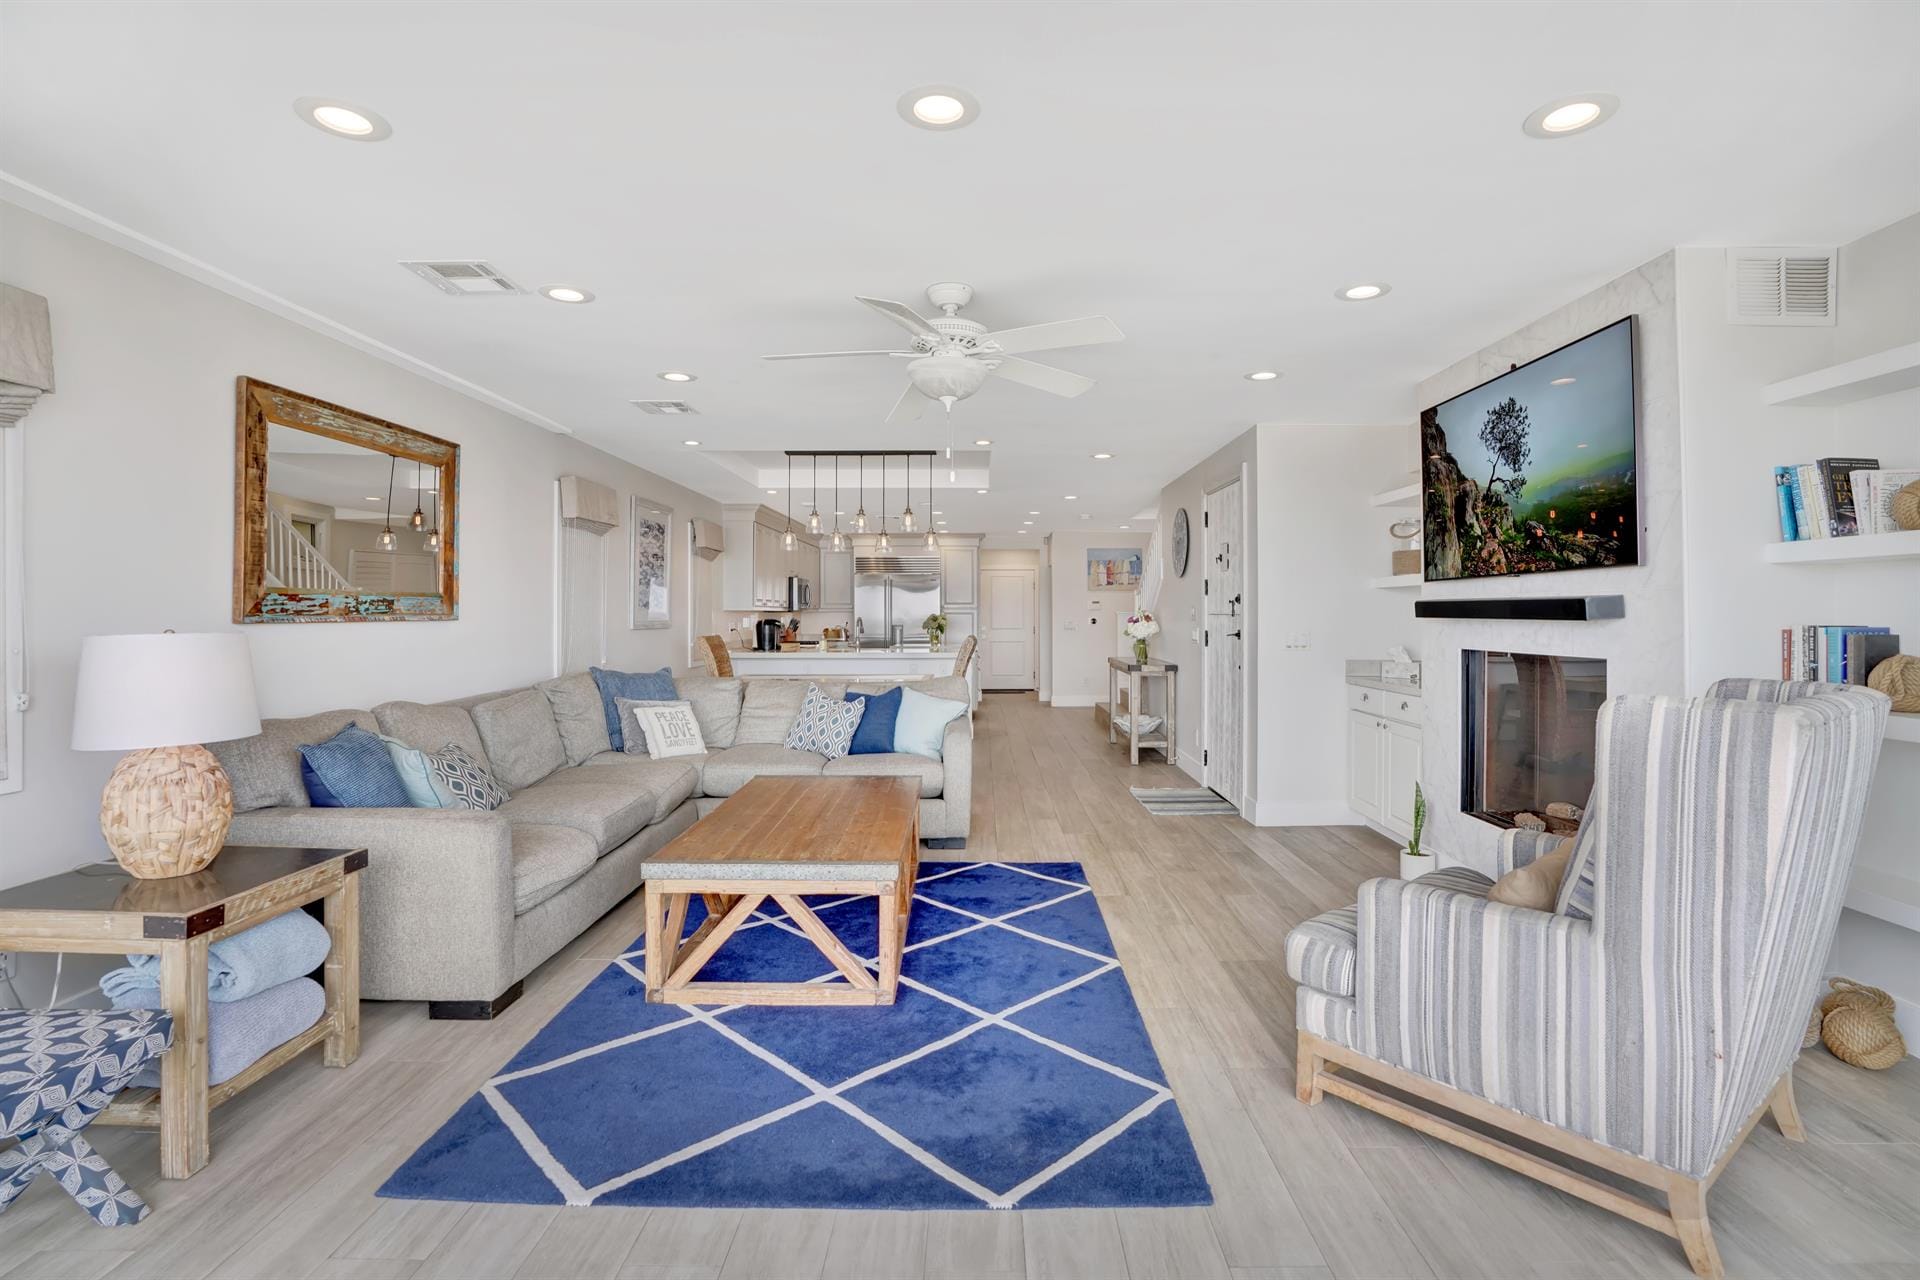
1406, 562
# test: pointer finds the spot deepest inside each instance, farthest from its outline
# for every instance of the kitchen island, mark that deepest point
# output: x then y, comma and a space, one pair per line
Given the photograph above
905, 664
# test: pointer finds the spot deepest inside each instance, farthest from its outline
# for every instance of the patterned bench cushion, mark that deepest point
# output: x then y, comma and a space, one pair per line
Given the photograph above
1320, 951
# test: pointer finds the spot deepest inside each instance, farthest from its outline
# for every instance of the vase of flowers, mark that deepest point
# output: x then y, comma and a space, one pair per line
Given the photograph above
1415, 861
1140, 628
936, 625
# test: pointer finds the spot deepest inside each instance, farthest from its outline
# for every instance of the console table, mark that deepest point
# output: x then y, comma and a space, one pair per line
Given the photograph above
102, 910
1136, 675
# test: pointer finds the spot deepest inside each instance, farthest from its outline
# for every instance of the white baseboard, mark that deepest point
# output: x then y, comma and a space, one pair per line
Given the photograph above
1281, 814
1192, 767
1073, 700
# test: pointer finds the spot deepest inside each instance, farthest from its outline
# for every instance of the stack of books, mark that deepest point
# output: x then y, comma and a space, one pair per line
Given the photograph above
1835, 655
1837, 498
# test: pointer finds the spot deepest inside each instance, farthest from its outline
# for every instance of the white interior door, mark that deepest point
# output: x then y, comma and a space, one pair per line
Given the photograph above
1223, 727
1009, 630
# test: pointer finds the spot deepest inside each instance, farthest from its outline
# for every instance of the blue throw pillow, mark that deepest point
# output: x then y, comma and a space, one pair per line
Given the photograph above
875, 734
921, 726
352, 770
641, 686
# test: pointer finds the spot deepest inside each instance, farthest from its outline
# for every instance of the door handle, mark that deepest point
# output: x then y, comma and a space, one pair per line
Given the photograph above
1233, 635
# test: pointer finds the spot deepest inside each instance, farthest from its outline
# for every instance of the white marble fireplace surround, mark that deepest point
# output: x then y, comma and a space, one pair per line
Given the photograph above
1645, 651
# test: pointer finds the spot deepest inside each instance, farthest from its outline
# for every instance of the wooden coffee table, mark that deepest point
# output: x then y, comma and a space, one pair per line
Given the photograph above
780, 838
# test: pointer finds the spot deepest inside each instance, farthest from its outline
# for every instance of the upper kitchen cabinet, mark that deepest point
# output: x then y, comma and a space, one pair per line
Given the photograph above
959, 575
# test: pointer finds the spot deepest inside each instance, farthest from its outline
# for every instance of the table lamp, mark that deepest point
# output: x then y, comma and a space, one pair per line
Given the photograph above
167, 807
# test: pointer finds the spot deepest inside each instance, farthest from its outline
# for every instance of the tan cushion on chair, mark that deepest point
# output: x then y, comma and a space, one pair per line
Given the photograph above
1536, 885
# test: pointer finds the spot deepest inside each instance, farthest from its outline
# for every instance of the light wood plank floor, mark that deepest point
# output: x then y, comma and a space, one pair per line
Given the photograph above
1198, 908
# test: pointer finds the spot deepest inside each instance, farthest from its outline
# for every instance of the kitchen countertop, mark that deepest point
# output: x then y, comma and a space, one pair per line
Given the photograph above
843, 655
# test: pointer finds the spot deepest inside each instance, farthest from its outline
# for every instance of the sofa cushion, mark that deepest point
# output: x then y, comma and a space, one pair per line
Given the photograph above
522, 740
1321, 952
716, 705
768, 709
575, 703
724, 772
673, 782
891, 764
429, 728
547, 860
612, 812
265, 769
628, 684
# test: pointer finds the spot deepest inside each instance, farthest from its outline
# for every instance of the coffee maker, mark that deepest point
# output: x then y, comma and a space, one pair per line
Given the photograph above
766, 635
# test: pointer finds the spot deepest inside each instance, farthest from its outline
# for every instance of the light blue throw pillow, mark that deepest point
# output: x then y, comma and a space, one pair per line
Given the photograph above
416, 777
922, 722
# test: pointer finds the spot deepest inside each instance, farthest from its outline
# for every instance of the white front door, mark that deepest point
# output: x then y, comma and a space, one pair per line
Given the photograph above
1224, 653
1007, 646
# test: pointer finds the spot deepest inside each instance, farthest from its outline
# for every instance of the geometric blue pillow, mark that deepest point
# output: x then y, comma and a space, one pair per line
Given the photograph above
655, 686
353, 771
875, 734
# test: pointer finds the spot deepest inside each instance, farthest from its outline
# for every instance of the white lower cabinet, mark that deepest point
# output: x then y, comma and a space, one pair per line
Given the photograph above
1364, 773
1383, 757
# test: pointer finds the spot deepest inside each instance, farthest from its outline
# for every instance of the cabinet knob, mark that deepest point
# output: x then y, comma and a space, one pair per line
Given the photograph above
1403, 704
1366, 697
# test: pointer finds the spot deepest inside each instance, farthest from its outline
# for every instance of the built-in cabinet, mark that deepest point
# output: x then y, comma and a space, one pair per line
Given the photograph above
959, 578
1383, 756
755, 567
836, 581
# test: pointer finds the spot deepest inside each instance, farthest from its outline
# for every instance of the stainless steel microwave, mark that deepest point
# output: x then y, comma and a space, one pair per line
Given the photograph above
799, 593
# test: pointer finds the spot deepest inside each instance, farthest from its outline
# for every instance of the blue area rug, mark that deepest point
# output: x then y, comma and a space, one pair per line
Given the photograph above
1013, 1072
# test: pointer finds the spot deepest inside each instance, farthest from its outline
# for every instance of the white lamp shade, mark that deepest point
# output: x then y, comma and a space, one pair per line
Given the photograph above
163, 690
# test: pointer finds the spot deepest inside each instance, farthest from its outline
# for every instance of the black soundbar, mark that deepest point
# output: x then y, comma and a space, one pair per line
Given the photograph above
1526, 609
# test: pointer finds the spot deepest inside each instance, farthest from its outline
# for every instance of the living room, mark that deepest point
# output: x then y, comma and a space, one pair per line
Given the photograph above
578, 704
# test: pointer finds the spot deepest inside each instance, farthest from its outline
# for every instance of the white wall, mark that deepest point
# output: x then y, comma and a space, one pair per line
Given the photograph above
1645, 651
142, 426
1086, 624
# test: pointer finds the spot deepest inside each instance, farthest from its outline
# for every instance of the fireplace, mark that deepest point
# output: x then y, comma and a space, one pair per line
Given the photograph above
1527, 737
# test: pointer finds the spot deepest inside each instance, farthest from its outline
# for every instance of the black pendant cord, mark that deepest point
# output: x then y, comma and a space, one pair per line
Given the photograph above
836, 493
392, 465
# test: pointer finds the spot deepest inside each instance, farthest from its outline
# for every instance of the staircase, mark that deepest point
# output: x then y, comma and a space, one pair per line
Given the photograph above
294, 564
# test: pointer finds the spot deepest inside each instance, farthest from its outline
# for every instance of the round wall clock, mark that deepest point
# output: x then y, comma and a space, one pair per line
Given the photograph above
1181, 543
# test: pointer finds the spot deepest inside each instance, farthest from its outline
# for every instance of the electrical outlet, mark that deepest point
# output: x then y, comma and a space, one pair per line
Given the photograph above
1299, 640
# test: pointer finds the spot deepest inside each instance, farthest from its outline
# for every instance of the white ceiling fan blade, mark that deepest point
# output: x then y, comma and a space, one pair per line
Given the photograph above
907, 408
1043, 376
824, 355
901, 314
1084, 332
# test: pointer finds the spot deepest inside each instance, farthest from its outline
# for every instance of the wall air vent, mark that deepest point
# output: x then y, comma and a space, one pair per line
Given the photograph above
664, 406
1780, 286
464, 279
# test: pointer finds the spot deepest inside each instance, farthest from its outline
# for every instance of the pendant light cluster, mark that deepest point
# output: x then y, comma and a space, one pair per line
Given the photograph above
907, 520
418, 521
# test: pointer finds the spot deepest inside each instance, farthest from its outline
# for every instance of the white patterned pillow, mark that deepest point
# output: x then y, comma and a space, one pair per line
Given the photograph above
669, 730
463, 781
826, 724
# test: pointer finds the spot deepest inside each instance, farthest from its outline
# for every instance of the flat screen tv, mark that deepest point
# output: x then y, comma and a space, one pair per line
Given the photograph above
1535, 471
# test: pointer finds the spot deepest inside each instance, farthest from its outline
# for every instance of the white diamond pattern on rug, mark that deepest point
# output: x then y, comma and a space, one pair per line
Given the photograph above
957, 1096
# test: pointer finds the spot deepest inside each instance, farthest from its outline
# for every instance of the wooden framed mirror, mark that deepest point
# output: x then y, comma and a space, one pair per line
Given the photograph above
339, 516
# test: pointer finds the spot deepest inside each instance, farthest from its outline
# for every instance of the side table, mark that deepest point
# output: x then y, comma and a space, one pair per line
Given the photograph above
1136, 675
102, 910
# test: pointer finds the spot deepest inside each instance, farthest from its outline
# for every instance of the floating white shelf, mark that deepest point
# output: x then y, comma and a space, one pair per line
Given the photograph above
1879, 374
1866, 546
1398, 582
1407, 495
1903, 726
1885, 895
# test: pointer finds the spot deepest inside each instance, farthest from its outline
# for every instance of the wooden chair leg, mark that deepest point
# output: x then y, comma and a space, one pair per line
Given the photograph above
1306, 1069
1786, 1111
1687, 1201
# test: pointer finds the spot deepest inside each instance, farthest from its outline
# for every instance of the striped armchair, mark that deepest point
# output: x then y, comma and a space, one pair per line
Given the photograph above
1645, 1024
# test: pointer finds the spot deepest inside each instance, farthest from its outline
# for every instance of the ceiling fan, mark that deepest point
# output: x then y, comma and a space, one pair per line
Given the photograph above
950, 356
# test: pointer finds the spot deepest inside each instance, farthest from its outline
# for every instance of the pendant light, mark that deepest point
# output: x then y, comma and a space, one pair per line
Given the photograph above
839, 539
813, 516
433, 534
787, 540
418, 520
387, 541
860, 516
933, 538
906, 512
885, 543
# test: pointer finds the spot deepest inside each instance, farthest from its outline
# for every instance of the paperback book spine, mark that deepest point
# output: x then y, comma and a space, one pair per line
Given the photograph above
1783, 496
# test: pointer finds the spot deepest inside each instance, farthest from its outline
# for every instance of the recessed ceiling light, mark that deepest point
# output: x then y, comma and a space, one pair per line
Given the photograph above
1580, 446
1564, 117
773, 491
675, 375
1261, 375
690, 443
567, 293
1561, 382
373, 497
1085, 515
983, 443
1126, 526
1362, 292
938, 107
1033, 513
342, 120
980, 491
1101, 457
1073, 497
1026, 522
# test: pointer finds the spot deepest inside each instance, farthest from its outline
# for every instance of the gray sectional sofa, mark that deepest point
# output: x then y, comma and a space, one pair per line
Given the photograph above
459, 905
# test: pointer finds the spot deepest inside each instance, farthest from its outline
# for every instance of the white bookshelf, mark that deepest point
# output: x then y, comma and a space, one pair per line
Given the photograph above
1865, 546
1406, 495
1885, 896
1904, 726
1396, 582
1882, 373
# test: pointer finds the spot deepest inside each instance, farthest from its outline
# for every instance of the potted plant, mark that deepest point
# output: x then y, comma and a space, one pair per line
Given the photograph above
1414, 861
936, 625
1140, 628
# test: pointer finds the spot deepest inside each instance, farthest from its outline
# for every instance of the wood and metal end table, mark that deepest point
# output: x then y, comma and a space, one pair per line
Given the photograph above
1136, 675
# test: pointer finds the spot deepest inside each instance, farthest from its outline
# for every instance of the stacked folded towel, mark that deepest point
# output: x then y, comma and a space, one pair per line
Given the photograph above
259, 996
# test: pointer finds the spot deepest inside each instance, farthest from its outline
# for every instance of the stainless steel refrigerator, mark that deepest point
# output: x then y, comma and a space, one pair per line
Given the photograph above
894, 592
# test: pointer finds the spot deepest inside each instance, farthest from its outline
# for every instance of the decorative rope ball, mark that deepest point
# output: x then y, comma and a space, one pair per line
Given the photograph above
1858, 1026
1906, 506
1899, 678
1812, 1036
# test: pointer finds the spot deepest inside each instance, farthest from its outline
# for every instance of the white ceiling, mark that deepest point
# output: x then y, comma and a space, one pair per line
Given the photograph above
726, 176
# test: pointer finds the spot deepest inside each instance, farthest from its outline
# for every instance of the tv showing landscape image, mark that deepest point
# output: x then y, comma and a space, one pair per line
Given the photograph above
1535, 470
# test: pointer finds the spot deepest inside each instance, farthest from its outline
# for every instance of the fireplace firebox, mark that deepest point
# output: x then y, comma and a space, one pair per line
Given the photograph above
1527, 737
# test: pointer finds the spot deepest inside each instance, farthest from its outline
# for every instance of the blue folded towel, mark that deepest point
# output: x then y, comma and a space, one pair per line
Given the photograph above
241, 1032
285, 947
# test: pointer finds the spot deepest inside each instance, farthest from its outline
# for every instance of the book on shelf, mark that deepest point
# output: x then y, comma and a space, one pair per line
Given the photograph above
1834, 654
1837, 498
1873, 492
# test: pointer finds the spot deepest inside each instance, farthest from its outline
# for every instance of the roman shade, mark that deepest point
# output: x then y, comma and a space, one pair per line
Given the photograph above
26, 352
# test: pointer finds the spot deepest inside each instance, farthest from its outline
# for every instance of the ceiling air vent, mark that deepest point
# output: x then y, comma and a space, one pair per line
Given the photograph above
1780, 286
664, 406
464, 279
